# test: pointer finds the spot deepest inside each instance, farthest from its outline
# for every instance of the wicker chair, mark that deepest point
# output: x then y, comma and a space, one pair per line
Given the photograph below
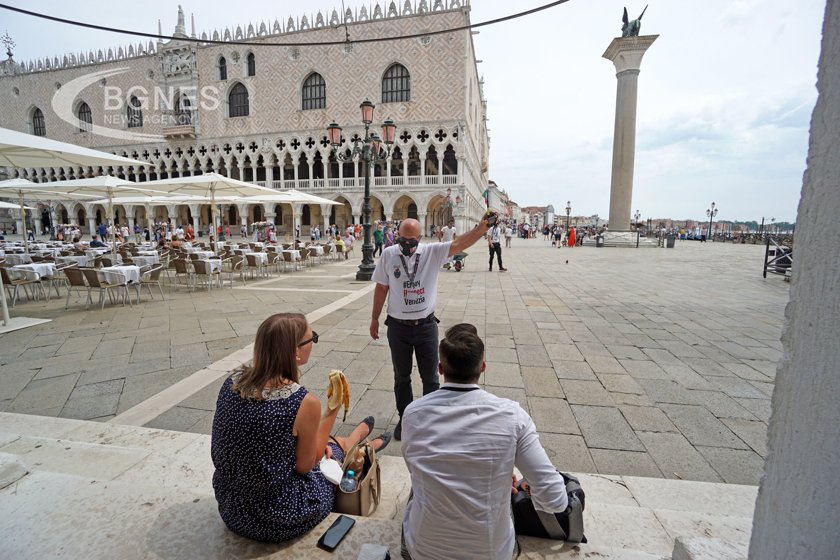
152, 278
204, 272
75, 278
27, 278
232, 266
92, 277
255, 265
182, 270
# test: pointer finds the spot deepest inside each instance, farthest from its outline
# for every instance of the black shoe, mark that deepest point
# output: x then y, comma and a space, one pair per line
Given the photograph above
369, 422
490, 269
386, 439
398, 431
502, 270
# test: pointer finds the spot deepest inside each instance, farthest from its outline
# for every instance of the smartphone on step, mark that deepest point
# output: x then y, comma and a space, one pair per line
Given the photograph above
337, 531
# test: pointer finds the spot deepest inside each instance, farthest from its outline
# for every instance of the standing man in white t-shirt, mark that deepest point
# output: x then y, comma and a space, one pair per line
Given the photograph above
447, 234
508, 235
406, 275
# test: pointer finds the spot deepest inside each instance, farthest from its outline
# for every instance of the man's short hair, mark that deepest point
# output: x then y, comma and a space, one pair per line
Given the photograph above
461, 354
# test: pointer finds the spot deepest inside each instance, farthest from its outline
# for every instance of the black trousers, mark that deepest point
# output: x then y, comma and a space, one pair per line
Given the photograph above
377, 247
405, 341
497, 249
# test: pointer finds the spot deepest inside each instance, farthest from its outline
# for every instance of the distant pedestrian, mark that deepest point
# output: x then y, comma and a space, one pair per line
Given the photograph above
494, 242
508, 235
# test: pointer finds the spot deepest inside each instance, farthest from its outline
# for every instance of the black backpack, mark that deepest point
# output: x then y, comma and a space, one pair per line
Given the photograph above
566, 526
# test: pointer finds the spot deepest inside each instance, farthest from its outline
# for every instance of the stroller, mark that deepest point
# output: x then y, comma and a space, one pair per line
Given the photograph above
458, 261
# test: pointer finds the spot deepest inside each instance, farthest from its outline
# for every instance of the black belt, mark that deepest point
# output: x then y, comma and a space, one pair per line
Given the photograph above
413, 322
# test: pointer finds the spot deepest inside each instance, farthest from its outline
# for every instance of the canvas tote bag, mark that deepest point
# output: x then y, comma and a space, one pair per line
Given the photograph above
364, 500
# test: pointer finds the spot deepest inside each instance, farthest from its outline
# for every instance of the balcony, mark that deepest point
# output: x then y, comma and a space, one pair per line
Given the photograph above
179, 124
376, 183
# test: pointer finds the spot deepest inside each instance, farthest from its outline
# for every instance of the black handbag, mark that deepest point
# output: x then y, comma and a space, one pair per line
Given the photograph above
566, 526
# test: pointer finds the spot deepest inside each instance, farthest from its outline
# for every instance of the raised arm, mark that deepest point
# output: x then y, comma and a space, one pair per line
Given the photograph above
463, 242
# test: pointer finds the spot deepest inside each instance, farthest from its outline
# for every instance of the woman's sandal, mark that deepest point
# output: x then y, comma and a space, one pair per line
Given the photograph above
386, 439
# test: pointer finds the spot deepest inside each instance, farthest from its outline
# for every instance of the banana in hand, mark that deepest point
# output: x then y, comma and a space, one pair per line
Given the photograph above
338, 392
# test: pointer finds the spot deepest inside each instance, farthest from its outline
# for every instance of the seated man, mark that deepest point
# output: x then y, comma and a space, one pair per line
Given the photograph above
96, 243
461, 444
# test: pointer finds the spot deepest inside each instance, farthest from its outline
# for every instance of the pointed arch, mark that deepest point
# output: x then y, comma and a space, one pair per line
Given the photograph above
239, 103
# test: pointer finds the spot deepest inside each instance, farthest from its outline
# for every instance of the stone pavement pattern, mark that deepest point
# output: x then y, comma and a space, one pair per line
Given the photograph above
145, 494
654, 363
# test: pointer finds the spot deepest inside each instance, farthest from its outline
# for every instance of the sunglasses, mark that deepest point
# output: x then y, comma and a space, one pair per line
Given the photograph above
313, 340
408, 242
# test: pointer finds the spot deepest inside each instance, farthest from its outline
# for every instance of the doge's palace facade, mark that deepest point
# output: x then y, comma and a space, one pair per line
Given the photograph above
259, 113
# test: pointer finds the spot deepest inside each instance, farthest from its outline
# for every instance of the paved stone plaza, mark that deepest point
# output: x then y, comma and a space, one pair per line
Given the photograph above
650, 362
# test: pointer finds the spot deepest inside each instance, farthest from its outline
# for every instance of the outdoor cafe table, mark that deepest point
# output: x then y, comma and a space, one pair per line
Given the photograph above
262, 257
22, 258
319, 249
147, 253
144, 260
78, 259
295, 254
215, 265
44, 270
127, 273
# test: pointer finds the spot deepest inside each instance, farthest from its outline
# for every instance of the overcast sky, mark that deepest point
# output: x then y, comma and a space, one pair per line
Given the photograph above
725, 93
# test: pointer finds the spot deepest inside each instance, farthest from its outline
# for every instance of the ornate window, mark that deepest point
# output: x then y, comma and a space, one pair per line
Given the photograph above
396, 84
238, 103
39, 127
252, 64
134, 113
314, 92
85, 118
222, 68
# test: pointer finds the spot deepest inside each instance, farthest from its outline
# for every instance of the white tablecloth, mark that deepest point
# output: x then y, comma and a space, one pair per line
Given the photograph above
295, 254
261, 257
215, 265
319, 249
145, 260
44, 270
78, 259
21, 258
94, 251
119, 274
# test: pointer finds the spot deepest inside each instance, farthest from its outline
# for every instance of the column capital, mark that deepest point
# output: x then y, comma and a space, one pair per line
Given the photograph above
626, 52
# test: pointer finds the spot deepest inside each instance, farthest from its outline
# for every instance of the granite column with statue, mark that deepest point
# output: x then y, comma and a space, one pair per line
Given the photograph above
626, 53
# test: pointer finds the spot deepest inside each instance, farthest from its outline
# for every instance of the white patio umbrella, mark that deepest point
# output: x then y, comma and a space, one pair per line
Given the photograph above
10, 206
21, 150
98, 186
18, 149
210, 185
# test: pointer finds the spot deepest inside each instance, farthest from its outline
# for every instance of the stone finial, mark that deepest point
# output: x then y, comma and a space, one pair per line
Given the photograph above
334, 18
392, 10
180, 27
192, 25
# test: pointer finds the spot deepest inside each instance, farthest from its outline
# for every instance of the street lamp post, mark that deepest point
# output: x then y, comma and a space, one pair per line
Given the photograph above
636, 217
568, 214
711, 213
368, 150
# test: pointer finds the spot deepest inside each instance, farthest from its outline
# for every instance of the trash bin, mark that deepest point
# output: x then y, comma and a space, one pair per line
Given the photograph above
599, 240
200, 233
670, 240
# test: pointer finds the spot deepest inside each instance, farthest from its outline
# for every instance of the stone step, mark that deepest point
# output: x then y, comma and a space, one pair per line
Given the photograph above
104, 490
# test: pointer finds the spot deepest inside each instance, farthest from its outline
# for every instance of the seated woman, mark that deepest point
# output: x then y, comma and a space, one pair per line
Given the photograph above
339, 246
269, 435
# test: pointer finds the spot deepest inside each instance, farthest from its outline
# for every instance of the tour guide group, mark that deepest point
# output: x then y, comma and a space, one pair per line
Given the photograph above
407, 275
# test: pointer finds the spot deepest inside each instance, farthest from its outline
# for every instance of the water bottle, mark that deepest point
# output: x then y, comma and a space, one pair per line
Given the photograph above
348, 482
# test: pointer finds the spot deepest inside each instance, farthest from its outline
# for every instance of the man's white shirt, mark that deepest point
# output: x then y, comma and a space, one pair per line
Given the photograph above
494, 234
460, 447
409, 299
448, 234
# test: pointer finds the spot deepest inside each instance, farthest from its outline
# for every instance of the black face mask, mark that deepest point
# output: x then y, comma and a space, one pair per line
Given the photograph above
408, 246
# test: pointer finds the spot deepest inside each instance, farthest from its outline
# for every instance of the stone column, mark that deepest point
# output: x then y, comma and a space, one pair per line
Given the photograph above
799, 489
129, 216
243, 215
195, 211
172, 214
424, 227
325, 214
91, 224
626, 54
269, 176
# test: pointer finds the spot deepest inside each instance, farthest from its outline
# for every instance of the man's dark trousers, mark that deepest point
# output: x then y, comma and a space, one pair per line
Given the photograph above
406, 340
497, 249
377, 247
